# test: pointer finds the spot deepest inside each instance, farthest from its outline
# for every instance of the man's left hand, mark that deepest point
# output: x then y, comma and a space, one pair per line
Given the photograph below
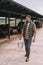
33, 40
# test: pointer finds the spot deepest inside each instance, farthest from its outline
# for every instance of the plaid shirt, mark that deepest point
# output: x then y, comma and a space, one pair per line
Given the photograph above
27, 32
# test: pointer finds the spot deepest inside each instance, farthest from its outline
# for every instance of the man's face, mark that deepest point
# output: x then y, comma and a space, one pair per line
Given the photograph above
28, 19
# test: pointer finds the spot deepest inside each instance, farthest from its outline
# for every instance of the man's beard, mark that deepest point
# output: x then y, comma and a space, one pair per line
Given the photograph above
27, 21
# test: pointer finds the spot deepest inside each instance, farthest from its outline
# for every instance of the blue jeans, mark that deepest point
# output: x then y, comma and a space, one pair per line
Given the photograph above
27, 46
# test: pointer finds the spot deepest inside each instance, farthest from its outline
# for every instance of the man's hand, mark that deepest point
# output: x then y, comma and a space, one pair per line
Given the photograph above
20, 37
33, 40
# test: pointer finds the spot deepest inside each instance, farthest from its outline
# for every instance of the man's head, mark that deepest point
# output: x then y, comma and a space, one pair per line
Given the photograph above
28, 18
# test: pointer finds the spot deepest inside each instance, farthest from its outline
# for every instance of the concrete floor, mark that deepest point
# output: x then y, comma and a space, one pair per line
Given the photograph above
11, 55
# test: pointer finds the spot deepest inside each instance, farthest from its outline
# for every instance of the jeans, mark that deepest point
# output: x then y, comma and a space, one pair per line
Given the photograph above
27, 46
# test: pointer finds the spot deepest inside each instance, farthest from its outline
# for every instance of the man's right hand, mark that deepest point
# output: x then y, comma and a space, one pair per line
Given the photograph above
20, 37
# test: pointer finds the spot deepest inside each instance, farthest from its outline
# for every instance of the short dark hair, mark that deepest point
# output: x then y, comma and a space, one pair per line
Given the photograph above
28, 16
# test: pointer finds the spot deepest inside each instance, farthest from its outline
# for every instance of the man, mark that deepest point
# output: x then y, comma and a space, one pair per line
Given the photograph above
29, 32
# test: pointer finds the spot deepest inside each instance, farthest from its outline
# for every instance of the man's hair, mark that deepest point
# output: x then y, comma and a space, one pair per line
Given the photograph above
28, 16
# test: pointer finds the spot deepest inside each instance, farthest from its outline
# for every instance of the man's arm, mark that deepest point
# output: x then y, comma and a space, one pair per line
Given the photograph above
34, 36
20, 37
22, 32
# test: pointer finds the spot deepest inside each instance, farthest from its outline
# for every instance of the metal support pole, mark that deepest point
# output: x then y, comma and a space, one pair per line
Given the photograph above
15, 22
21, 19
9, 26
5, 24
21, 23
5, 20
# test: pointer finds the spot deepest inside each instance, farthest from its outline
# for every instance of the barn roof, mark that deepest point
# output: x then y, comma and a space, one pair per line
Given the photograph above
16, 10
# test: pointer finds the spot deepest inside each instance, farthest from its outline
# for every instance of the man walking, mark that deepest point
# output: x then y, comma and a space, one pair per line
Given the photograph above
29, 32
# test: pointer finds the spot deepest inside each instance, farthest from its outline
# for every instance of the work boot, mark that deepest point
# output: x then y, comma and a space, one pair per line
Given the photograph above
27, 59
25, 55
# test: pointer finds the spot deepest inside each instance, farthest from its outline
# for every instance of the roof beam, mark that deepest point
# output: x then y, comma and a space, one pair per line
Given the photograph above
11, 12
